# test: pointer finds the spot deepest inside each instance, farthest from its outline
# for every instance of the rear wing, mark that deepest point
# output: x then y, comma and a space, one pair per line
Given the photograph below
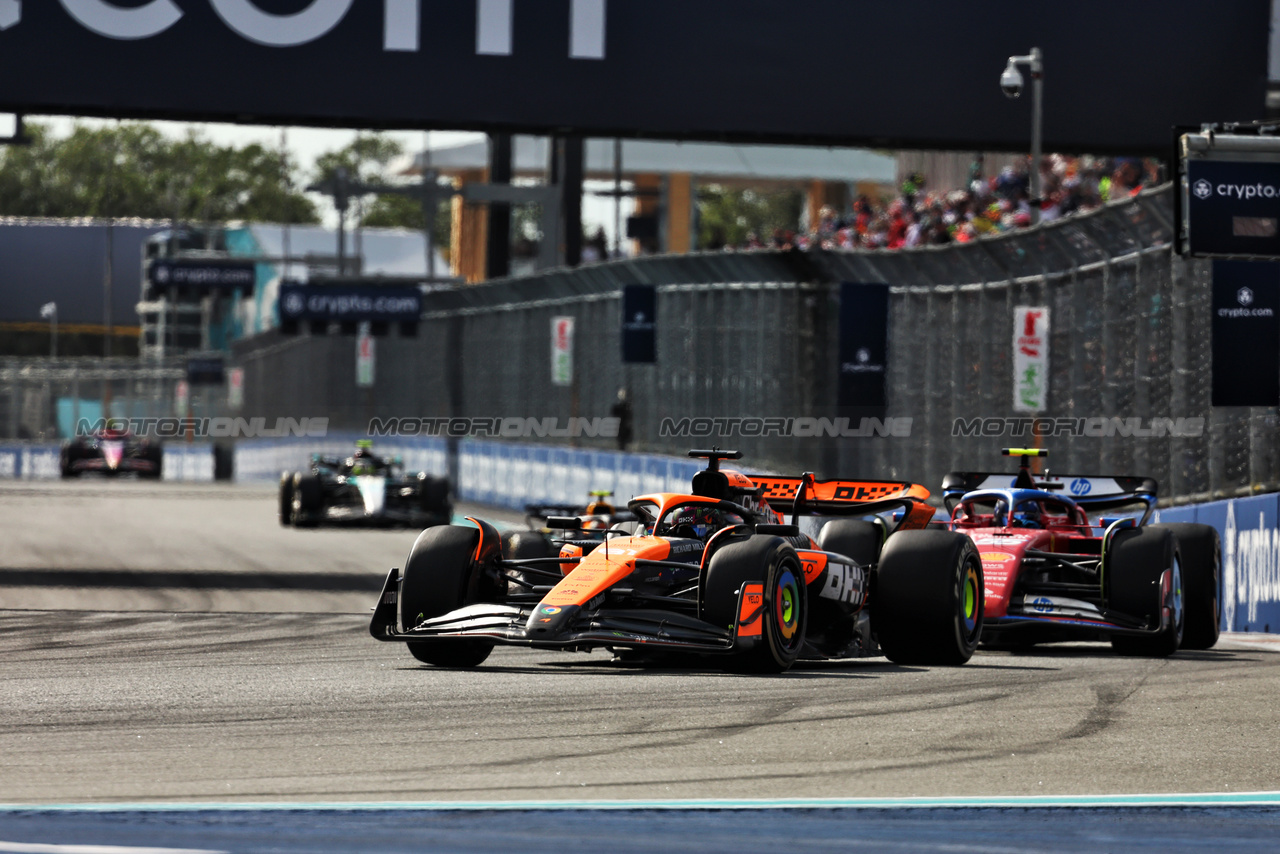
1096, 492
846, 497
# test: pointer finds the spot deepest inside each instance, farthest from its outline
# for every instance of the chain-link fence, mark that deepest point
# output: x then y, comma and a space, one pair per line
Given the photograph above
45, 399
755, 335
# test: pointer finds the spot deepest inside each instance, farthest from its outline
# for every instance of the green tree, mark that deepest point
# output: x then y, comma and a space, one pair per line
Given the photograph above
368, 159
132, 170
726, 215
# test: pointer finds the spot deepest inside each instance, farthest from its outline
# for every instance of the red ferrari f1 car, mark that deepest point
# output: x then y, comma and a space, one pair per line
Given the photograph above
1073, 558
713, 572
111, 452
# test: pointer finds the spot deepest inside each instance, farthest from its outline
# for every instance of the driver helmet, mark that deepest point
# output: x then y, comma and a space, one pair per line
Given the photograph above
362, 461
703, 520
1027, 515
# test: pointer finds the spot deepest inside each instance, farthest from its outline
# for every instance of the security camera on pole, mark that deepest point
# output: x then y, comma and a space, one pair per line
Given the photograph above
1011, 84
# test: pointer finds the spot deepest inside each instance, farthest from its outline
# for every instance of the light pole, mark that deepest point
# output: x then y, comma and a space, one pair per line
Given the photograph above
1011, 84
49, 311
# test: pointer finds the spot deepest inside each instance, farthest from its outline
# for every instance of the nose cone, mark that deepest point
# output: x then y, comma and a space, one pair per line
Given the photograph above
373, 490
112, 453
550, 621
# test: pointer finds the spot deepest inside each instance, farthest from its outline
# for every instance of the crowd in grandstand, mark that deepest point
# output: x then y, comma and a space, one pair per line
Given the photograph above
921, 215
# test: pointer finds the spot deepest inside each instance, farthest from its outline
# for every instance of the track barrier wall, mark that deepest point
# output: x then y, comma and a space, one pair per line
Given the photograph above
30, 461
500, 474
40, 461
1250, 557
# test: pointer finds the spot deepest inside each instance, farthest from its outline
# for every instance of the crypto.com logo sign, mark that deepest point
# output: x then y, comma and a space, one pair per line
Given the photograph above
400, 32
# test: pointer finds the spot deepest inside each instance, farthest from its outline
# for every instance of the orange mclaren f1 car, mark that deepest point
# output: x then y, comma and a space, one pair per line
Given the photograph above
715, 572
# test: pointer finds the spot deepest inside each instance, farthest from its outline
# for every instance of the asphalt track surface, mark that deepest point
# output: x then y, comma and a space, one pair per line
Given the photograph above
165, 645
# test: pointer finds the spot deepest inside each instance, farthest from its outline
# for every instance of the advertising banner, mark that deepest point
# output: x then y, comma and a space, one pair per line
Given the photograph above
366, 355
202, 274
588, 67
639, 324
1233, 208
864, 345
562, 351
235, 388
1030, 358
1246, 333
206, 370
349, 303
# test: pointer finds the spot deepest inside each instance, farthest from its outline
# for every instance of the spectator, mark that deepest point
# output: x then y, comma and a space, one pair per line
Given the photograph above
919, 216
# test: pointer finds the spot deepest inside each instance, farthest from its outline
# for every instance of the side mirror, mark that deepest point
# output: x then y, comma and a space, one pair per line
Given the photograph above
564, 523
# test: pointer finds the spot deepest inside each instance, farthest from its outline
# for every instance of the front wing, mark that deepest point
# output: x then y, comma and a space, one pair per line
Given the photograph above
390, 514
1068, 613
580, 629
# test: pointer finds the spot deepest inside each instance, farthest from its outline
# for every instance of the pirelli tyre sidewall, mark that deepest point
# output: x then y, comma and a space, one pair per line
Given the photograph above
1201, 551
286, 498
1134, 563
437, 578
927, 598
771, 562
308, 500
433, 495
853, 538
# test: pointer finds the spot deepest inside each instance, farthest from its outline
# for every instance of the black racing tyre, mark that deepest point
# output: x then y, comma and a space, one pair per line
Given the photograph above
852, 538
1135, 560
772, 562
926, 605
308, 500
156, 455
286, 498
434, 494
435, 581
1201, 552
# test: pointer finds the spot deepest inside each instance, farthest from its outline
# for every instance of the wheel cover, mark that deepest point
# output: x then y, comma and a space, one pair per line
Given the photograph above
787, 606
1175, 601
972, 595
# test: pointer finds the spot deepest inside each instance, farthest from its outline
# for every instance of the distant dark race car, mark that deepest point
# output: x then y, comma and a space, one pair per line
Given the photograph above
1072, 558
363, 489
716, 572
597, 516
111, 452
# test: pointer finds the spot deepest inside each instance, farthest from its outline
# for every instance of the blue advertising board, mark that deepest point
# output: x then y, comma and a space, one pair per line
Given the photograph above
202, 274
349, 303
639, 324
1246, 333
864, 345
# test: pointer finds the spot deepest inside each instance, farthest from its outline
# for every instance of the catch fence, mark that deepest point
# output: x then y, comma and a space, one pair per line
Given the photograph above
755, 335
